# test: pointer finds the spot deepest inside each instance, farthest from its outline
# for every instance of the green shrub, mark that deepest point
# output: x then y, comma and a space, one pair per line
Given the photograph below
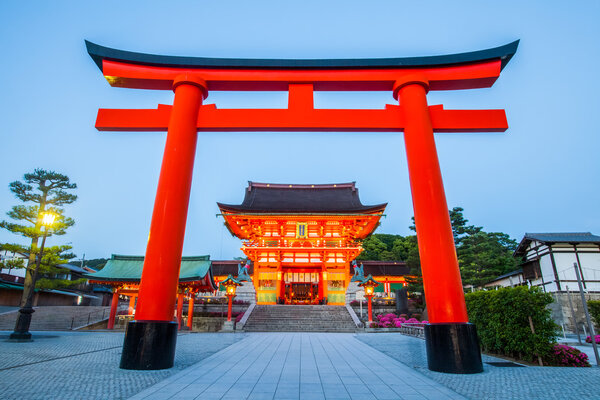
594, 309
502, 320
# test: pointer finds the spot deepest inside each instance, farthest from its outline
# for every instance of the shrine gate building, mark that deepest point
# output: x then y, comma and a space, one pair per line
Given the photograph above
301, 239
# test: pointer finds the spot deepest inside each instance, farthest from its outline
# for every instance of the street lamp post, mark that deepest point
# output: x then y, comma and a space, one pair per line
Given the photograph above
231, 285
21, 332
369, 284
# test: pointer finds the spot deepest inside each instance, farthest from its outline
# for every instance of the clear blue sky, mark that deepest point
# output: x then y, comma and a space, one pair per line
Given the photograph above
541, 175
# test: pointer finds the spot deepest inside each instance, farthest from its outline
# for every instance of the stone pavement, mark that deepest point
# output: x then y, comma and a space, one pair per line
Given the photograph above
85, 365
298, 366
495, 382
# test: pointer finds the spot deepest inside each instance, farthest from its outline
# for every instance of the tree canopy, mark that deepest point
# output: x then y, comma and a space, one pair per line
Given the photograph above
41, 191
482, 256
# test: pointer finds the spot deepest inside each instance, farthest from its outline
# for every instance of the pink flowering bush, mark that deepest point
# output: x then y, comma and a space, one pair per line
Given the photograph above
566, 356
589, 339
392, 321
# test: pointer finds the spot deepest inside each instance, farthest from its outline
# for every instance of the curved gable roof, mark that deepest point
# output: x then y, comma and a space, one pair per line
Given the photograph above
129, 269
291, 198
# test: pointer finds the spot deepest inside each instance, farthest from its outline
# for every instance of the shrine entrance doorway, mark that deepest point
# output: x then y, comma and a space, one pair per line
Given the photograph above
302, 293
301, 287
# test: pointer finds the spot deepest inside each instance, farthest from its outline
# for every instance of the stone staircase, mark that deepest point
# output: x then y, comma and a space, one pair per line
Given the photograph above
299, 318
57, 318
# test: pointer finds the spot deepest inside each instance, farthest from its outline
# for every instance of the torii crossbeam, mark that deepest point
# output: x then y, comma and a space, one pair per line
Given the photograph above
452, 344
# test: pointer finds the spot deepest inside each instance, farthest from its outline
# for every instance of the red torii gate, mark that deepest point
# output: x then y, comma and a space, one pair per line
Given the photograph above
452, 344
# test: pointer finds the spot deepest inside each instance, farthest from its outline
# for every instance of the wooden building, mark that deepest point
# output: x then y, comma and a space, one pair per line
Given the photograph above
301, 239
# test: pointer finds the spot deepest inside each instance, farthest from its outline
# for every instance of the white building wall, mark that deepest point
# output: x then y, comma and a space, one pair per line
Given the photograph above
6, 256
564, 267
590, 264
511, 281
548, 273
564, 258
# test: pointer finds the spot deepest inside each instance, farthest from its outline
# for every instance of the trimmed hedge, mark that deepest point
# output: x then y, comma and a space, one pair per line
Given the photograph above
594, 309
502, 320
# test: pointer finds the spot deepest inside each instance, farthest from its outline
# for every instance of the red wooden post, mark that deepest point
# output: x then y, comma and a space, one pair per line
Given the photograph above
131, 305
451, 342
150, 340
113, 310
190, 315
369, 302
230, 297
179, 309
441, 276
160, 275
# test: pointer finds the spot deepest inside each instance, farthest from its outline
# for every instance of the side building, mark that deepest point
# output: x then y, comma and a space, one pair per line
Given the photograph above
549, 262
301, 239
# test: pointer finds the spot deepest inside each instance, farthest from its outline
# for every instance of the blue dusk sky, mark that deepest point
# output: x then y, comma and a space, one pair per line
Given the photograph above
540, 175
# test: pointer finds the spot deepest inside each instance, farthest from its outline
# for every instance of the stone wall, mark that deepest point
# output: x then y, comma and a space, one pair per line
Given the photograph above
562, 313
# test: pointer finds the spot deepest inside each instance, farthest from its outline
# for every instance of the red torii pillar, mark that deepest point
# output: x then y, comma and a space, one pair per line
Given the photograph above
449, 329
160, 276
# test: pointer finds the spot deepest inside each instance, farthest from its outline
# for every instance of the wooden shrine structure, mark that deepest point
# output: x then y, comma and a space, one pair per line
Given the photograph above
301, 239
123, 275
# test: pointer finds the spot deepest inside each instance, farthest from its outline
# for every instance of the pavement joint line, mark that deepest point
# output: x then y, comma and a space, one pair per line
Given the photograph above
222, 360
398, 364
333, 365
388, 367
359, 377
316, 364
59, 358
284, 361
63, 357
267, 365
266, 348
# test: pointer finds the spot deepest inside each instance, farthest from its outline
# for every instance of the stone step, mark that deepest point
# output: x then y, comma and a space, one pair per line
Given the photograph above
300, 318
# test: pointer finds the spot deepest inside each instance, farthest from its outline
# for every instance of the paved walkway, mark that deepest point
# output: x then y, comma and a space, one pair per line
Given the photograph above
298, 366
495, 383
85, 365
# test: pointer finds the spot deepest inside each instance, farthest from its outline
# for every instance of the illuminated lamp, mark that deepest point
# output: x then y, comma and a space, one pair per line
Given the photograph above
369, 284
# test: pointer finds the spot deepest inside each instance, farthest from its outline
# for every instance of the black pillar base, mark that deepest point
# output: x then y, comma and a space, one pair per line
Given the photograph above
21, 333
453, 348
149, 345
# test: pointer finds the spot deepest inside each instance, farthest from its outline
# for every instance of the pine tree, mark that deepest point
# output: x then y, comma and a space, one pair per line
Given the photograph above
47, 190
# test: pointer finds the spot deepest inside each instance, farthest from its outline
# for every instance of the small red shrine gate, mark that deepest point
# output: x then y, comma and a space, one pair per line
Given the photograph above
451, 341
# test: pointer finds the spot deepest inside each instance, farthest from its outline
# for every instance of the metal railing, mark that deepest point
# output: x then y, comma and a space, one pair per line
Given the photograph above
79, 321
413, 329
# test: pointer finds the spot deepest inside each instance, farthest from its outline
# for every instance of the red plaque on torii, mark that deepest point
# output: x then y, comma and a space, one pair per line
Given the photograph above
408, 79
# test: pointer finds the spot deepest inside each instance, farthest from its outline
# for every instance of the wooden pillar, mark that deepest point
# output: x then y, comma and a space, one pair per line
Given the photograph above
323, 283
190, 314
230, 298
160, 276
441, 276
131, 305
179, 309
113, 309
279, 284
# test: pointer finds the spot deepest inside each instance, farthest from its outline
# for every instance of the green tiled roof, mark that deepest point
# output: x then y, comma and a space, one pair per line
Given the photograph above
129, 269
